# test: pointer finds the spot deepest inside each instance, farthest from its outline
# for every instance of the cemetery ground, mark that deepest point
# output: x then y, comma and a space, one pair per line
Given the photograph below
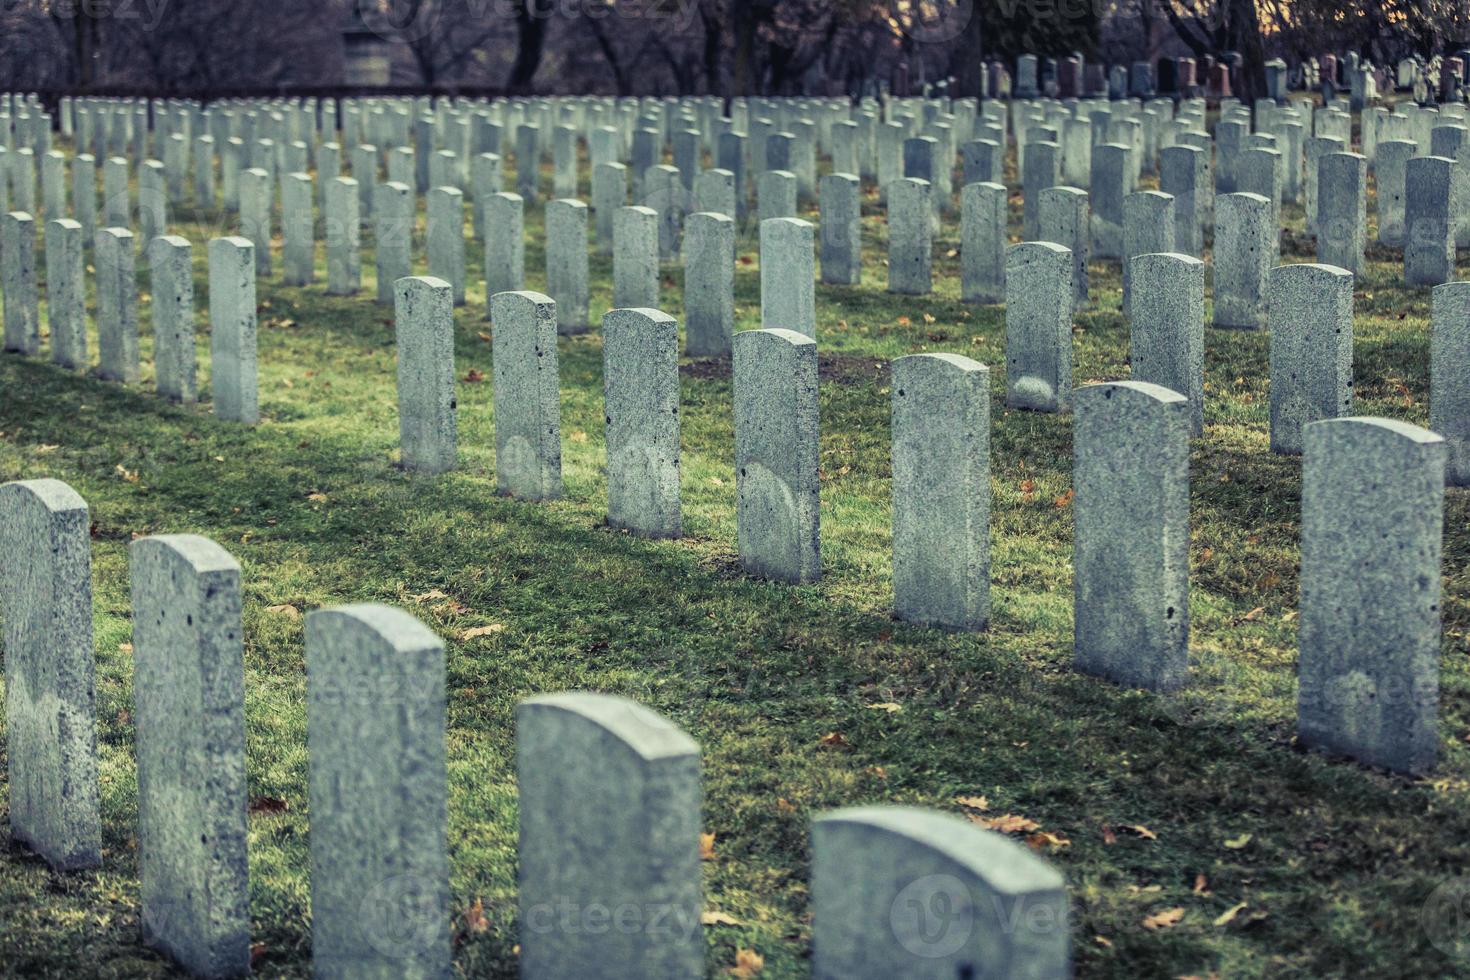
1194, 836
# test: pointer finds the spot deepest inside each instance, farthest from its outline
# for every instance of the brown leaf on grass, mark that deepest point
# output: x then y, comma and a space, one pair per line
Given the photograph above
747, 260
904, 321
1206, 554
1226, 917
1007, 823
1045, 840
707, 846
973, 802
124, 648
474, 917
1139, 830
1108, 836
834, 740
483, 336
783, 805
129, 476
1167, 919
887, 706
1236, 843
577, 436
286, 609
748, 963
1103, 941
426, 596
928, 318
475, 376
715, 918
475, 631
1026, 487
1201, 885
318, 497
1254, 614
257, 953
268, 805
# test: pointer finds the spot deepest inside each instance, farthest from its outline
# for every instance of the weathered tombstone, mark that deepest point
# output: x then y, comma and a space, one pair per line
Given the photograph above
776, 454
50, 700
1148, 226
424, 332
1429, 234
1342, 213
527, 396
788, 279
505, 244
908, 892
171, 261
1317, 147
232, 330
664, 192
444, 230
1110, 184
1372, 524
528, 162
1390, 170
189, 710
635, 258
485, 179
709, 284
1245, 253
117, 210
566, 263
714, 191
1181, 170
640, 357
1041, 170
66, 293
1038, 326
629, 850
841, 208
1311, 321
1449, 386
343, 230
392, 236
910, 238
298, 231
1167, 327
983, 162
378, 783
609, 193
1131, 546
84, 193
117, 305
1063, 220
775, 192
941, 490
982, 243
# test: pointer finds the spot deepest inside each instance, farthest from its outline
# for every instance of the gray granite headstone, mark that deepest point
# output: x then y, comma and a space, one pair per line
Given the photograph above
505, 243
609, 193
1245, 253
841, 209
343, 228
567, 263
1372, 525
909, 892
1449, 375
255, 216
1342, 214
527, 396
1167, 327
50, 700
66, 293
424, 333
1038, 313
1390, 169
298, 230
910, 238
117, 305
635, 258
1130, 473
609, 887
641, 393
232, 342
1181, 172
175, 360
1062, 219
709, 284
788, 276
1110, 184
776, 454
1429, 234
983, 213
378, 781
18, 283
189, 709
444, 231
1148, 226
1311, 309
941, 490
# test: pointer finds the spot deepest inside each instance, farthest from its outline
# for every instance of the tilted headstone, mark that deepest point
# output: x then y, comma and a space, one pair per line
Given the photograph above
1245, 252
232, 342
788, 276
841, 210
1130, 474
1311, 349
1449, 375
50, 703
66, 293
983, 214
189, 711
640, 379
117, 305
776, 454
910, 238
424, 334
941, 490
175, 360
1038, 313
566, 263
378, 782
343, 228
527, 396
1369, 643
628, 854
908, 892
709, 284
635, 258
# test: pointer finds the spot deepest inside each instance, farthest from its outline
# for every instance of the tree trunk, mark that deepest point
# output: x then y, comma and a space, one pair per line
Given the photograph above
1244, 27
967, 64
531, 41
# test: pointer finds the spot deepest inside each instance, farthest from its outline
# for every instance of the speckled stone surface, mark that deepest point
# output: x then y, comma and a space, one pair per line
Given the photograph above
1449, 376
841, 210
526, 395
298, 231
343, 230
66, 293
1390, 170
1109, 185
1429, 240
189, 709
941, 490
1063, 220
50, 701
776, 453
1130, 558
983, 243
916, 893
566, 263
1181, 172
1166, 334
117, 305
635, 258
1372, 523
1148, 226
609, 193
424, 332
1038, 326
1342, 216
788, 276
393, 236
1244, 255
232, 341
910, 238
255, 216
18, 283
608, 886
377, 778
175, 361
505, 243
640, 378
709, 284
1311, 349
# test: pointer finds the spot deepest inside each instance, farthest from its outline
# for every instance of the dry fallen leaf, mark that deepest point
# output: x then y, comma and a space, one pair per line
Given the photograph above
1140, 830
748, 963
887, 706
578, 436
1045, 840
426, 596
1224, 918
707, 846
1167, 919
484, 336
973, 802
1236, 843
124, 648
318, 497
713, 918
1201, 885
904, 321
473, 632
834, 740
474, 917
1255, 613
130, 476
268, 805
1108, 836
1008, 823
290, 611
475, 376
1064, 500
1102, 941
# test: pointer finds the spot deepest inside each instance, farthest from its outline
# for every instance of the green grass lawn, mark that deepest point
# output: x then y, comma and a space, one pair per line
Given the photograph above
1198, 801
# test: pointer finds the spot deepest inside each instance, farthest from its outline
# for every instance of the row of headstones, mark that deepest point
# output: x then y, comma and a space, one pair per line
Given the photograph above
608, 887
